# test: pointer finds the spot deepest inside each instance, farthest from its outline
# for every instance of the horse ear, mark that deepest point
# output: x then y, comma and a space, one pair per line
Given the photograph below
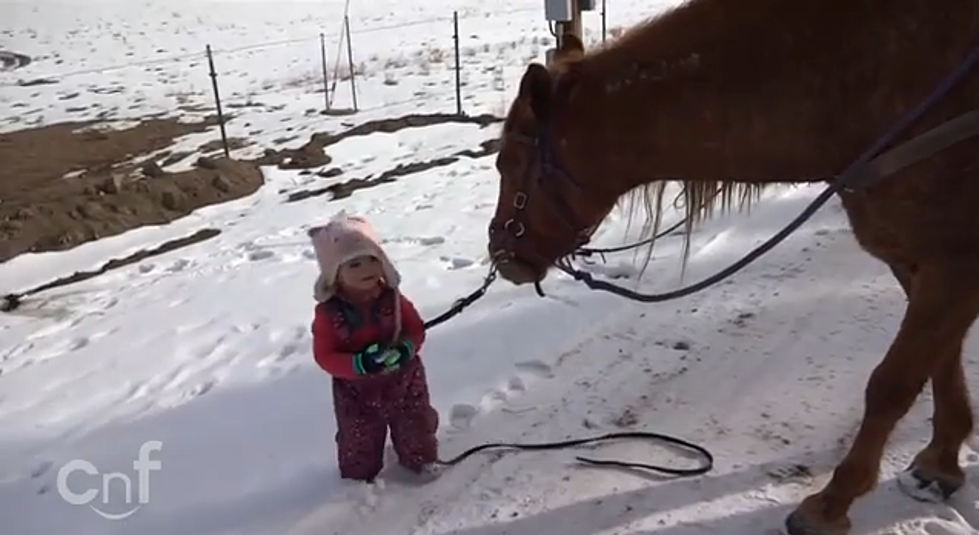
535, 86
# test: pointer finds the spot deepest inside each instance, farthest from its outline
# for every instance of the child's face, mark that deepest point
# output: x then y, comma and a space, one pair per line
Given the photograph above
361, 273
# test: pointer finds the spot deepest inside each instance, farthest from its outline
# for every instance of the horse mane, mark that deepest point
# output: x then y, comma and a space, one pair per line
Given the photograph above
700, 201
673, 33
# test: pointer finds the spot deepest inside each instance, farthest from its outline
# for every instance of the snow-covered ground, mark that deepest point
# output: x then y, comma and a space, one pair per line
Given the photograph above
206, 349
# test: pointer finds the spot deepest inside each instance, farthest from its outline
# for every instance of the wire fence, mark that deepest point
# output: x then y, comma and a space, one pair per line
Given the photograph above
450, 63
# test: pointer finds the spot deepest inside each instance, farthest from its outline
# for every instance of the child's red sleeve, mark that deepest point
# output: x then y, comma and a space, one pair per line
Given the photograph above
412, 324
337, 363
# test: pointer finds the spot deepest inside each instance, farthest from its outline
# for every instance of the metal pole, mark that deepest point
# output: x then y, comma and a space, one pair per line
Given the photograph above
455, 26
326, 86
576, 19
350, 60
603, 21
573, 26
217, 99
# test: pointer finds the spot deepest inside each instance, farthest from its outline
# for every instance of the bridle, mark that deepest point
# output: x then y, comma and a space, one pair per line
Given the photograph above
549, 172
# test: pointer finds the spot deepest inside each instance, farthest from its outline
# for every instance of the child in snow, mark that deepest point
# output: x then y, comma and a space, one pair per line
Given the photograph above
367, 336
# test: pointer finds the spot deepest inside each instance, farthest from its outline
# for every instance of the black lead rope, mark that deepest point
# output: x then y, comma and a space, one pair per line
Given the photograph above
460, 305
707, 466
464, 302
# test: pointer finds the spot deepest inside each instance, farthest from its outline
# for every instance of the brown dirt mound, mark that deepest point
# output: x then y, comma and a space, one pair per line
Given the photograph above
312, 154
41, 210
342, 190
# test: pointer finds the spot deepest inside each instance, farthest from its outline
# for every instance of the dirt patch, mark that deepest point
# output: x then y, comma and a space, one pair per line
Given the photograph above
119, 205
341, 190
69, 183
215, 145
106, 191
36, 160
313, 153
12, 301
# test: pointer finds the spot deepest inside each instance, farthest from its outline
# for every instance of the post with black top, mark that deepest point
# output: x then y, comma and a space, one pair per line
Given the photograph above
217, 100
350, 61
603, 21
566, 16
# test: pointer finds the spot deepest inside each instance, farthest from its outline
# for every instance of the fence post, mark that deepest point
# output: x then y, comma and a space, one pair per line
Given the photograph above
603, 21
217, 100
455, 36
326, 86
350, 60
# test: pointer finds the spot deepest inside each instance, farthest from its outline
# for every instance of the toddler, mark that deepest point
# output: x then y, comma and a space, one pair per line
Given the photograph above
367, 336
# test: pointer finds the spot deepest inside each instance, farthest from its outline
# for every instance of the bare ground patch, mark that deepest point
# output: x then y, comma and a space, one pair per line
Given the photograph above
341, 190
66, 184
313, 153
70, 183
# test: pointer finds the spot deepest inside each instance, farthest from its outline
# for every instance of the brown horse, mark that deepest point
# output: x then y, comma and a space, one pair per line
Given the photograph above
726, 97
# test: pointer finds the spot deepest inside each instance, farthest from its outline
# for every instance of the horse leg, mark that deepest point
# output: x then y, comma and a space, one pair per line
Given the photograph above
942, 305
935, 474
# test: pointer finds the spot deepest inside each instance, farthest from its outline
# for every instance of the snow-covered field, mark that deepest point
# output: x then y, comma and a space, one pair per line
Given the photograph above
207, 350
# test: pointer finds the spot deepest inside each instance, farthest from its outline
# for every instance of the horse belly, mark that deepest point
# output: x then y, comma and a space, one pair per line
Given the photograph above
918, 219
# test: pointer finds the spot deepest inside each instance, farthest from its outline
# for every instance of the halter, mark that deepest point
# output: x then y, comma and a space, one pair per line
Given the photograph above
549, 170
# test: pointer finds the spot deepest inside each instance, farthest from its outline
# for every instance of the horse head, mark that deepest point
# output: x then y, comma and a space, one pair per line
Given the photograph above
545, 209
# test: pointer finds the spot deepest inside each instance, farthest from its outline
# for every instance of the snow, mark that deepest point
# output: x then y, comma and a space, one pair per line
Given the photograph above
206, 349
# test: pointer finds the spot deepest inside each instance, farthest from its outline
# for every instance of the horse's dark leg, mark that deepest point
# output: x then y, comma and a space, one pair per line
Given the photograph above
943, 303
935, 473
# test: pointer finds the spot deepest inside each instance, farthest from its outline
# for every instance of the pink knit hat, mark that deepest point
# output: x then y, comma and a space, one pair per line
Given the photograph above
342, 239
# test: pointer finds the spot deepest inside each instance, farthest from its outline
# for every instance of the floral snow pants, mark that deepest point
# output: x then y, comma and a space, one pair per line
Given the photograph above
366, 408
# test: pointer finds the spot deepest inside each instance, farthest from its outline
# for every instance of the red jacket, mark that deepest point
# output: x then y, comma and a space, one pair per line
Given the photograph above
341, 328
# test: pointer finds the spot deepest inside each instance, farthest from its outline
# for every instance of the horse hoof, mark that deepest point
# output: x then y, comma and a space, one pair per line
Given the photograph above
915, 484
798, 524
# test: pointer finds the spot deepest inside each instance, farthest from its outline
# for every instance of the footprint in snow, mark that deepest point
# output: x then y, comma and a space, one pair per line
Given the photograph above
536, 368
254, 252
285, 351
179, 265
260, 254
462, 415
186, 395
457, 262
40, 469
